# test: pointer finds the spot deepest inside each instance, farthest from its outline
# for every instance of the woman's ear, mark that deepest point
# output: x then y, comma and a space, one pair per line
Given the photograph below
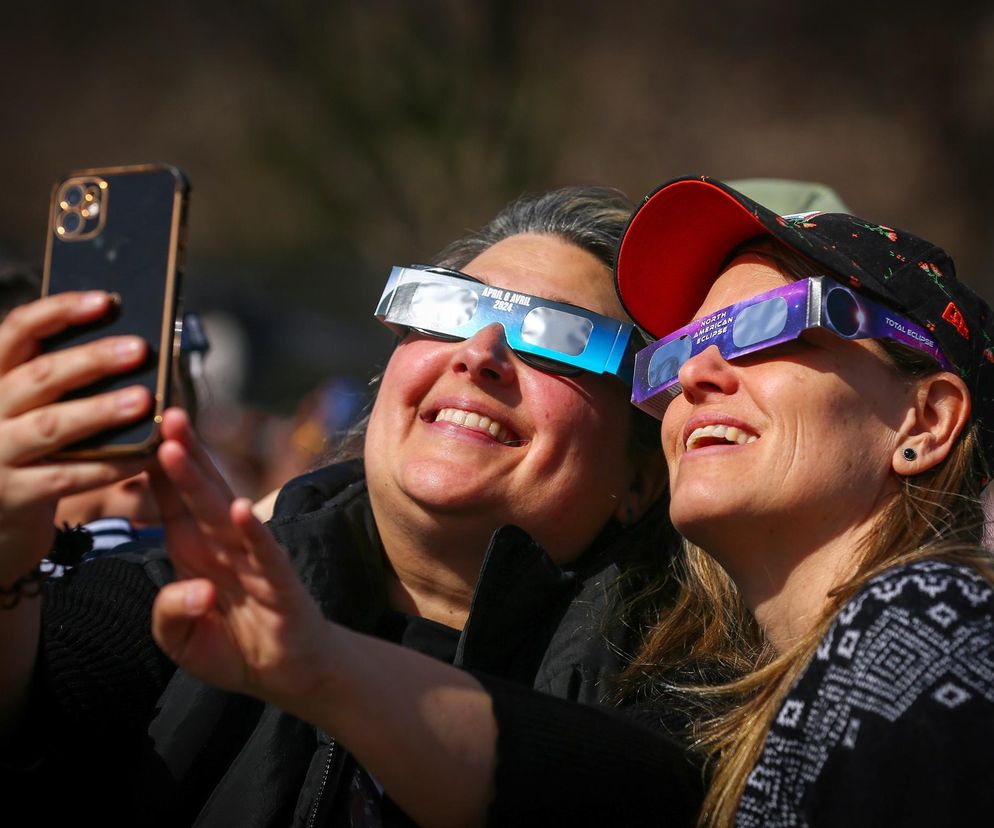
647, 485
931, 428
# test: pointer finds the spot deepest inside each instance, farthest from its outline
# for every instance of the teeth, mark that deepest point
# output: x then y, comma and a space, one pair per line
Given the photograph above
729, 434
470, 419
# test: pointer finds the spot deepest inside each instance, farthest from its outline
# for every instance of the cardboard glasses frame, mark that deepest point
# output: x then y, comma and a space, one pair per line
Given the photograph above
766, 320
552, 336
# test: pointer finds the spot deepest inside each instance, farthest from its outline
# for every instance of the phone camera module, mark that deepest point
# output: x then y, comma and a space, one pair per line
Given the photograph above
82, 207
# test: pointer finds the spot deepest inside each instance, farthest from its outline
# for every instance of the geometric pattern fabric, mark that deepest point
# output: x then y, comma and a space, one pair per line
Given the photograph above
892, 721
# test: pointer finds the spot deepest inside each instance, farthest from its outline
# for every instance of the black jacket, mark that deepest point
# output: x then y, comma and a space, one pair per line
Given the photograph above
214, 758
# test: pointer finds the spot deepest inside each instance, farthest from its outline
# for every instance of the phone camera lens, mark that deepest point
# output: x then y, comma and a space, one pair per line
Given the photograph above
73, 196
69, 224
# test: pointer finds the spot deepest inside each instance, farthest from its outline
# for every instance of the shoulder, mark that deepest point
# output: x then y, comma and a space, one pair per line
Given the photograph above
926, 602
312, 491
942, 592
922, 629
900, 690
928, 606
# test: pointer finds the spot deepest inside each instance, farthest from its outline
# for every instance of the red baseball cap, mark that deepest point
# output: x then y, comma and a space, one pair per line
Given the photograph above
674, 245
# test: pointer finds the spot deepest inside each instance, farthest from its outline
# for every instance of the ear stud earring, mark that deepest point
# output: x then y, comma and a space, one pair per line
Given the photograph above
910, 454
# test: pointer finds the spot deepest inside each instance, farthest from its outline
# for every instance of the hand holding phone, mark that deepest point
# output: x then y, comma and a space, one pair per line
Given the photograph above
121, 230
33, 421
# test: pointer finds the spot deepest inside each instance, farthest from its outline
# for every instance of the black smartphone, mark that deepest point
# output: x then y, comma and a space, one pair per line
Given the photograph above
122, 230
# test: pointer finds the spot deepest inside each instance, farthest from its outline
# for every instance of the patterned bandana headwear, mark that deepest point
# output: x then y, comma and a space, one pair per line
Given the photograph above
677, 240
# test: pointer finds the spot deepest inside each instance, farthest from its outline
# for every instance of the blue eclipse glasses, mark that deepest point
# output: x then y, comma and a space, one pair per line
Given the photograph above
766, 320
552, 336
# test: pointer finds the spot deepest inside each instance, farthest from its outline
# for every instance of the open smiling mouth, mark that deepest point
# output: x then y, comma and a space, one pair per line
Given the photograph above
478, 422
718, 435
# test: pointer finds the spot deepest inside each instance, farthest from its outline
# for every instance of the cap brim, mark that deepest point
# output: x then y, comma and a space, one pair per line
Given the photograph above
674, 244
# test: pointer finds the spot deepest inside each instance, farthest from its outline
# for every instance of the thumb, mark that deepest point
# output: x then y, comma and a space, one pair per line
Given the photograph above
178, 606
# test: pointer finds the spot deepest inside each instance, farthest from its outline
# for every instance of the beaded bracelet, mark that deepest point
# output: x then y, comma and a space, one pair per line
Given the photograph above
27, 586
68, 548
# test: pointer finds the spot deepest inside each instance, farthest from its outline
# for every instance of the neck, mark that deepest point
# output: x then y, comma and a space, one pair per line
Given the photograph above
790, 603
785, 582
434, 569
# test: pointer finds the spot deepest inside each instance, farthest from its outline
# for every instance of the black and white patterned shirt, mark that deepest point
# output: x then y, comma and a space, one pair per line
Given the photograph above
892, 722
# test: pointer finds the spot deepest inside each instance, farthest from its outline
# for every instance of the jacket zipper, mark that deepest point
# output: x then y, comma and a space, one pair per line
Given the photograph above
324, 783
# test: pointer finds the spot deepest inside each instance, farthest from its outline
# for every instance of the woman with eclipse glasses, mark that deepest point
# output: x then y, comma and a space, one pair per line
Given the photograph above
505, 509
826, 390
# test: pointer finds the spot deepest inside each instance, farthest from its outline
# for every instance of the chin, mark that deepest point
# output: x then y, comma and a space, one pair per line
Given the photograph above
705, 516
440, 486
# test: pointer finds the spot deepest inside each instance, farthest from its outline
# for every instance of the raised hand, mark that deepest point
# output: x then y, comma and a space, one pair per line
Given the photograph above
238, 617
33, 423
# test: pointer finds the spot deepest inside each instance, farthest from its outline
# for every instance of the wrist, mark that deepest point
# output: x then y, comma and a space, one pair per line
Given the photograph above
27, 586
69, 546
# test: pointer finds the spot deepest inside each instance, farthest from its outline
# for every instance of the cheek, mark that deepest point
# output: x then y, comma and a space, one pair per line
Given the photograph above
671, 428
412, 367
404, 361
375, 439
836, 425
562, 419
405, 381
587, 421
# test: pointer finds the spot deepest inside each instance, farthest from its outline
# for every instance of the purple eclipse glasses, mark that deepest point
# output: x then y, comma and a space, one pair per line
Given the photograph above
764, 321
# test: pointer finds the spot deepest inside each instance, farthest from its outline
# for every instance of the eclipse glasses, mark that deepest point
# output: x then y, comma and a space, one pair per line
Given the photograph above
766, 320
553, 336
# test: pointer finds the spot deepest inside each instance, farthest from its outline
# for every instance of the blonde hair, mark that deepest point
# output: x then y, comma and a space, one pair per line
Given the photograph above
710, 650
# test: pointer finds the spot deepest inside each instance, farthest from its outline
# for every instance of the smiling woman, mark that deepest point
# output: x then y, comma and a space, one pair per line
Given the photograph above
860, 409
568, 468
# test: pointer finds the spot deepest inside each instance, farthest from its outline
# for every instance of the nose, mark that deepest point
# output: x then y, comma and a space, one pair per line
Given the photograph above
705, 374
486, 355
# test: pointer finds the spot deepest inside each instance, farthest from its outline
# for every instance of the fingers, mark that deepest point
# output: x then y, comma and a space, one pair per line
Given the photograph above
208, 531
171, 506
32, 485
37, 434
185, 600
176, 425
33, 422
199, 535
46, 377
27, 324
247, 523
186, 543
264, 554
178, 607
197, 492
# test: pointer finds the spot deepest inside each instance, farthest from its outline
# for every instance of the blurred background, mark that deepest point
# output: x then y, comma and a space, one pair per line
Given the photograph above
328, 141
